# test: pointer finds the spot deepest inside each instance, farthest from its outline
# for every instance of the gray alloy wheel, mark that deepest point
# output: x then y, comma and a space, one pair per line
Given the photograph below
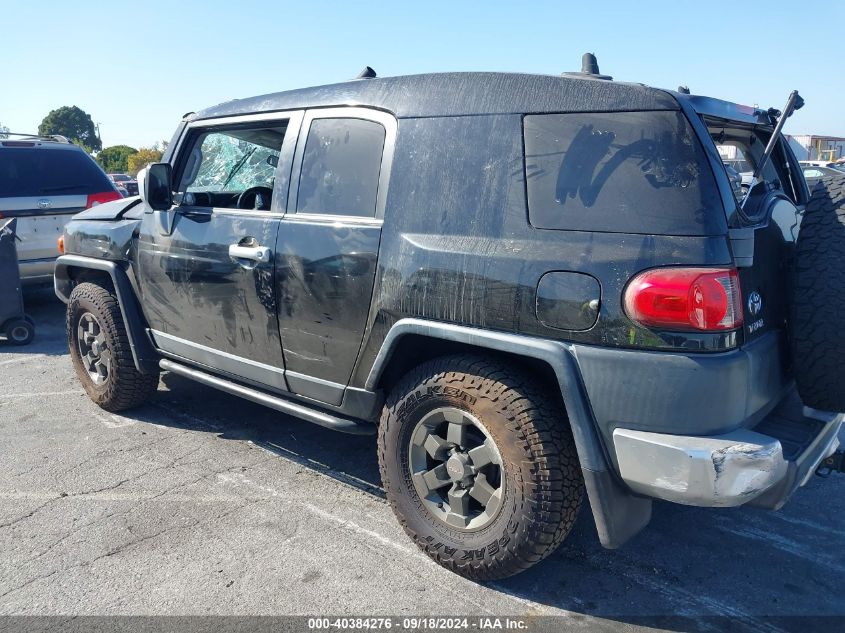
101, 350
479, 464
456, 469
93, 348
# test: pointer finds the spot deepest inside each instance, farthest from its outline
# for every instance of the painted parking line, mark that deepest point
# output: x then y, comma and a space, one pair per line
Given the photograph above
22, 359
39, 394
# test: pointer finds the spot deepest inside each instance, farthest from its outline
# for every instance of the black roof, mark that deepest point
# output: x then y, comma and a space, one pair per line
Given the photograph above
451, 94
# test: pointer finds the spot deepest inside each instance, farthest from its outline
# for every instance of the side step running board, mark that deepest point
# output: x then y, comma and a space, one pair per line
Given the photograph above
345, 425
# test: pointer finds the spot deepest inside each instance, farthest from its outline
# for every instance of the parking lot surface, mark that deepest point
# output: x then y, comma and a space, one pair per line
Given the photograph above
202, 503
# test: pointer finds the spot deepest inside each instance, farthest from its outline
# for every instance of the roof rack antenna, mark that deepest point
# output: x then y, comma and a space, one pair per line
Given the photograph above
589, 68
367, 73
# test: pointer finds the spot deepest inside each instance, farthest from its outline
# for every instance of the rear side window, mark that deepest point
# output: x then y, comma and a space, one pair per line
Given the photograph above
28, 172
340, 167
626, 172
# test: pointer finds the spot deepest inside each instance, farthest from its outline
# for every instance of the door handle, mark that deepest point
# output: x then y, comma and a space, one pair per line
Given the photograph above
255, 253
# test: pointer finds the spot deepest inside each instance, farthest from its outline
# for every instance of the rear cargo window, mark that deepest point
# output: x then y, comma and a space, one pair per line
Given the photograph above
625, 172
27, 172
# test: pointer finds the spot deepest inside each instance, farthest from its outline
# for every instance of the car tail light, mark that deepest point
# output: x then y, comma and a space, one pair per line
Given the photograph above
703, 299
104, 196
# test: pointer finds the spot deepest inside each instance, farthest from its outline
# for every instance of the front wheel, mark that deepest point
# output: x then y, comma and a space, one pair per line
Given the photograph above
479, 466
101, 352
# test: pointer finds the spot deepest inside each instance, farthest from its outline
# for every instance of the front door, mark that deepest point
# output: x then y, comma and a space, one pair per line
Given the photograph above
328, 245
208, 281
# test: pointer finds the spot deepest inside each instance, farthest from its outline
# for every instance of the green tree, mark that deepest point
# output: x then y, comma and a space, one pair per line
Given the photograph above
4, 131
143, 157
73, 123
115, 159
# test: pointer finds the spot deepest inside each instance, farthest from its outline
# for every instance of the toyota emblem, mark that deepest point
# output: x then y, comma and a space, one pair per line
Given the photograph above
755, 303
44, 204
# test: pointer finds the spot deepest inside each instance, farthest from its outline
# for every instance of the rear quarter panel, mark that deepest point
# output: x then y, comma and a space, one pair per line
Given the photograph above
457, 245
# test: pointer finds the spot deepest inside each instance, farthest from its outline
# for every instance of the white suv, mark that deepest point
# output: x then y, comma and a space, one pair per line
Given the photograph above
43, 182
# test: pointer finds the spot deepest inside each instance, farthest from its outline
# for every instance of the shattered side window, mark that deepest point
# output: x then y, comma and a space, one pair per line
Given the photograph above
627, 172
223, 163
232, 164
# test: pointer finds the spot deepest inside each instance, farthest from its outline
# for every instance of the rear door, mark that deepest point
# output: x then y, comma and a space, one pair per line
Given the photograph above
328, 245
43, 185
764, 283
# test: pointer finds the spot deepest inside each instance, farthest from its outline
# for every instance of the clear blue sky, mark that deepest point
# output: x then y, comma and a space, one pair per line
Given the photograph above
136, 67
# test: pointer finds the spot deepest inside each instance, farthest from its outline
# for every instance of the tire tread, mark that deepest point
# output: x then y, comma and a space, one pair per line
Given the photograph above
555, 490
127, 388
818, 298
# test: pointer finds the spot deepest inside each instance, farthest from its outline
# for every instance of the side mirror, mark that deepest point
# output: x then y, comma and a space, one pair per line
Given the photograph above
155, 186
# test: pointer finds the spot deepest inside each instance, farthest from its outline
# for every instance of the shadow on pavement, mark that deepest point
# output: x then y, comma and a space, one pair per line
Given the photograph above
703, 569
730, 565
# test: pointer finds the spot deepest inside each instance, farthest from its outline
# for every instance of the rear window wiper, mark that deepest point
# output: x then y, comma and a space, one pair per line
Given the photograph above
46, 189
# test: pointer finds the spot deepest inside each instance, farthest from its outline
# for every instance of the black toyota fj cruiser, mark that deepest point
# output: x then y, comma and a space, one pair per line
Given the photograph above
527, 286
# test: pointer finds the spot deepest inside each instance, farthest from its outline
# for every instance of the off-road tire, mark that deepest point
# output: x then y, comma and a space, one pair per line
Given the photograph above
544, 486
817, 323
125, 387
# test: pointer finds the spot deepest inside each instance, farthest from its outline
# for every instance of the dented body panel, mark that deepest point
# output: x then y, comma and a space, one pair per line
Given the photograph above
451, 260
110, 239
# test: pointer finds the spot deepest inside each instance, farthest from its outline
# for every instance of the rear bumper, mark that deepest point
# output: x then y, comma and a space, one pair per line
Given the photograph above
731, 469
683, 393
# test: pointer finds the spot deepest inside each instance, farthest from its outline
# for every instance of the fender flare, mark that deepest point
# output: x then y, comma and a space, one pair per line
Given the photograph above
143, 353
619, 514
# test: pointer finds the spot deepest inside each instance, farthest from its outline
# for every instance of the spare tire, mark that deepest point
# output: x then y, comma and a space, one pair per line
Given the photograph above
817, 324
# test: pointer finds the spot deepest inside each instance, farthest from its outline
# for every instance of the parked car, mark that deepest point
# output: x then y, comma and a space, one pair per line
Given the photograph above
739, 164
813, 173
43, 182
838, 166
817, 163
736, 181
125, 182
530, 288
745, 171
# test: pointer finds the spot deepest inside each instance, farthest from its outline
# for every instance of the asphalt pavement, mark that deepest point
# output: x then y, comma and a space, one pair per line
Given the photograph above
200, 503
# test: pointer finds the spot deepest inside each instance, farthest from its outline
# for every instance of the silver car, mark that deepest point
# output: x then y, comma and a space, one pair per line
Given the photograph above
43, 182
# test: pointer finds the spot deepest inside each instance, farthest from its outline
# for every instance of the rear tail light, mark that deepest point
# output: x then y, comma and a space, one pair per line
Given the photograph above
702, 299
99, 198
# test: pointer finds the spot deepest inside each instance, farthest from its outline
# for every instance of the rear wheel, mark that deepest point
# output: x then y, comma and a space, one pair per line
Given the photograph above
817, 324
100, 350
479, 466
